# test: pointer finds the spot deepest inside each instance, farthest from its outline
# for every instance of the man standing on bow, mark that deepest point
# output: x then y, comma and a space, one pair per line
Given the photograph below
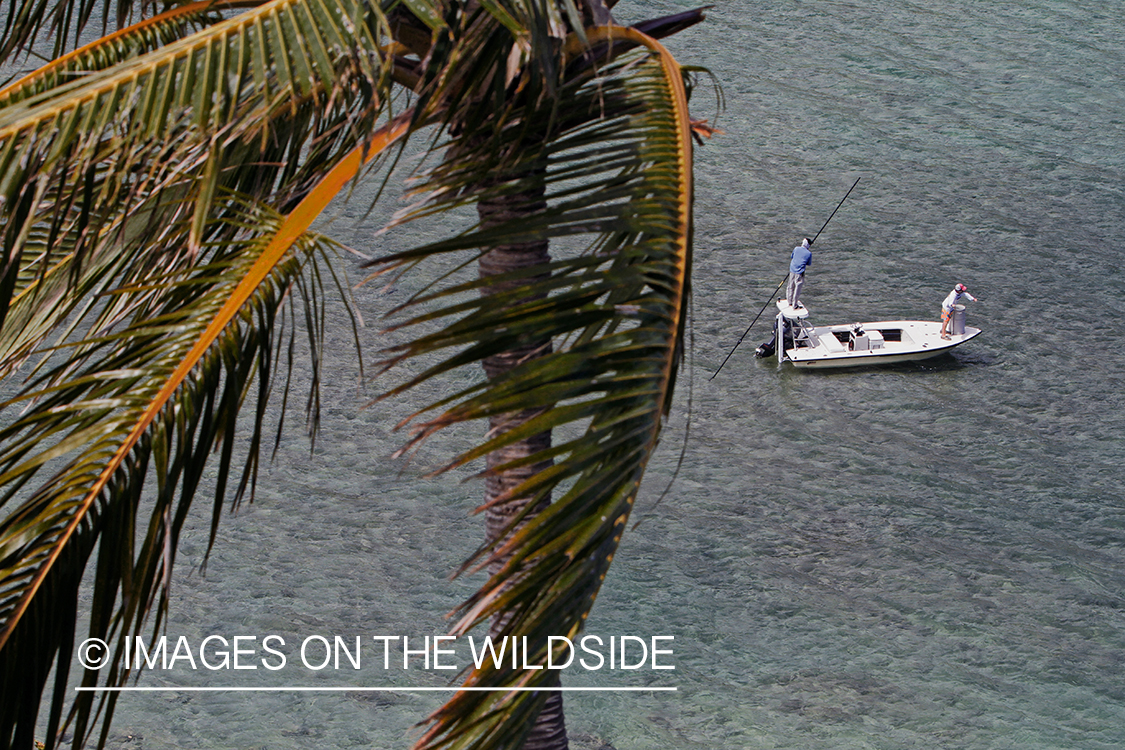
802, 257
947, 304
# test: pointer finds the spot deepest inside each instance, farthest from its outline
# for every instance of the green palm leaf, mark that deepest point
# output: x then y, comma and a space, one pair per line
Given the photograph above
617, 174
163, 392
108, 420
138, 39
121, 239
259, 104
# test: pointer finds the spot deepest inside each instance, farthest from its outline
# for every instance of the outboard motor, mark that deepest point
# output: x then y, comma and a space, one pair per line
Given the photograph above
769, 348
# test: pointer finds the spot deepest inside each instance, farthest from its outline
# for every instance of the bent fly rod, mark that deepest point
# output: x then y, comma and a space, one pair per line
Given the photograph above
775, 291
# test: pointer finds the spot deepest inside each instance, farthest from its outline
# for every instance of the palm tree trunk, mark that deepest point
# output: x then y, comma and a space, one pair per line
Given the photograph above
549, 731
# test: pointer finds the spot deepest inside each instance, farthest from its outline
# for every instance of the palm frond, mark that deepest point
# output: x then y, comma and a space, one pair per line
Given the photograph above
155, 397
63, 22
110, 427
258, 104
106, 52
616, 167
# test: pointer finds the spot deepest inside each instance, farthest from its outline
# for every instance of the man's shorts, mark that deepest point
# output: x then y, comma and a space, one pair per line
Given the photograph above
945, 314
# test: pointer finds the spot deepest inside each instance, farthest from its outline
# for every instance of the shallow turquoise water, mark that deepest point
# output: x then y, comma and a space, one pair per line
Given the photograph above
926, 556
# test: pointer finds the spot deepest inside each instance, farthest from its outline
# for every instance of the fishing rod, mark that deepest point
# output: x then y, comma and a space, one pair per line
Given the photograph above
775, 291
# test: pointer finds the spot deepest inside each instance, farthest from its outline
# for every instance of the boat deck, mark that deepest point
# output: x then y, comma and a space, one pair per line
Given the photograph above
879, 342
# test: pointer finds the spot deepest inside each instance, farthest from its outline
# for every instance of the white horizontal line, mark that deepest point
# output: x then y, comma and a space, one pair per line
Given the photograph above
300, 689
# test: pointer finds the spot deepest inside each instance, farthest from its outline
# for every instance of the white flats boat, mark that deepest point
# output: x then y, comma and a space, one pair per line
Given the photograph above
861, 344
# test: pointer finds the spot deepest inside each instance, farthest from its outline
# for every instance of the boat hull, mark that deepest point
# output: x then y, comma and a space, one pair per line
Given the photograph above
883, 343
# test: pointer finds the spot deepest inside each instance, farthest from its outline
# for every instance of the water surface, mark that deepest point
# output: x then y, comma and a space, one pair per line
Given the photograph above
927, 556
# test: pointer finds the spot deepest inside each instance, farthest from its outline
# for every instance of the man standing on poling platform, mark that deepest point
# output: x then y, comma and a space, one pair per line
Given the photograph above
802, 257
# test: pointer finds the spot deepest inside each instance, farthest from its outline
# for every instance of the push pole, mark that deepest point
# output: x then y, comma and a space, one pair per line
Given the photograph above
755, 320
775, 291
837, 208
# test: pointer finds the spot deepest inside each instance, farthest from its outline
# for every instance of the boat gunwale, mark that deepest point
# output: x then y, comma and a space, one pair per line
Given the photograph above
866, 357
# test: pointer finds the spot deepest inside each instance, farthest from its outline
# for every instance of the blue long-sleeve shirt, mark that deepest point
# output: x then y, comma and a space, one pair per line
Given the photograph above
802, 257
